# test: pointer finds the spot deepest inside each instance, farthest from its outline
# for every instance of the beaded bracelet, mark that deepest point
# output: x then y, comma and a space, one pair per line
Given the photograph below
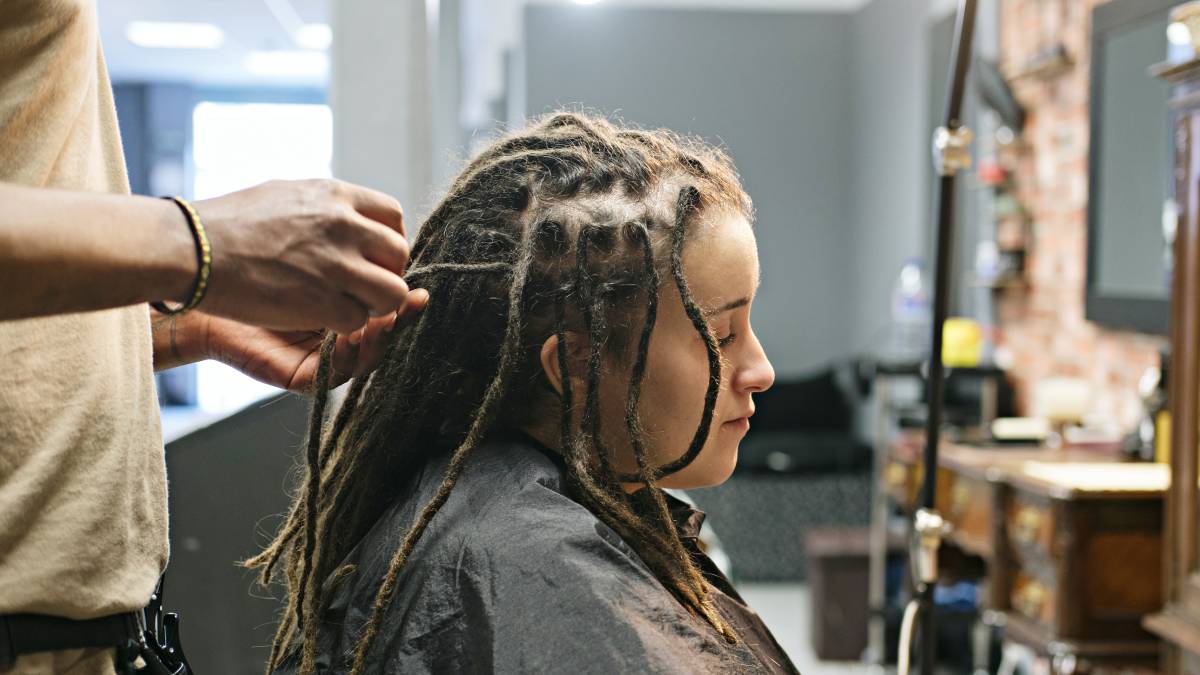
203, 259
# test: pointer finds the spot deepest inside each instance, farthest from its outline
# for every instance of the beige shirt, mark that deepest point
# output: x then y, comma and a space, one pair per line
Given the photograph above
83, 509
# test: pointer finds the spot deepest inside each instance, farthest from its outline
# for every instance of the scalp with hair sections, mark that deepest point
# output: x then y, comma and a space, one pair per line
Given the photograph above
568, 225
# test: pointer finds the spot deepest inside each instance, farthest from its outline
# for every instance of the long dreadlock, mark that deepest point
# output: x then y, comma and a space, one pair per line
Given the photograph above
535, 237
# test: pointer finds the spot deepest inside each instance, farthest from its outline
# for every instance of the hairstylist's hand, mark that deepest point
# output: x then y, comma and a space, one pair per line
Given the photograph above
288, 359
299, 255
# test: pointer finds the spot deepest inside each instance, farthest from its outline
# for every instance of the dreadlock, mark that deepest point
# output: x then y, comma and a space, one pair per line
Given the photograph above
569, 224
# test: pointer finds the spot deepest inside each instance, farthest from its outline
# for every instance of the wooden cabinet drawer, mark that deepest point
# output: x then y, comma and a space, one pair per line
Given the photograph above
1035, 598
970, 509
902, 481
1030, 529
1084, 569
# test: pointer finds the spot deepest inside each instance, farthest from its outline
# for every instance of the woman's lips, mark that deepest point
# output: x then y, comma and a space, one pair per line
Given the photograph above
739, 424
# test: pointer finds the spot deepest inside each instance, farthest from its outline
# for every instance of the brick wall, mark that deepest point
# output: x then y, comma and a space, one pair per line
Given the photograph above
1043, 325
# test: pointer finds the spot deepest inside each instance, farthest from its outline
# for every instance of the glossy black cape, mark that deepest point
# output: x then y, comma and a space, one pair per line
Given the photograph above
513, 576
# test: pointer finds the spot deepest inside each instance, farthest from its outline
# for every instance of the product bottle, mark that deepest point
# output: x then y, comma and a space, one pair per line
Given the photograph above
911, 315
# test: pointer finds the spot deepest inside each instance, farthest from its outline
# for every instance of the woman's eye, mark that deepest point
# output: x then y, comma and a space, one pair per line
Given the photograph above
727, 340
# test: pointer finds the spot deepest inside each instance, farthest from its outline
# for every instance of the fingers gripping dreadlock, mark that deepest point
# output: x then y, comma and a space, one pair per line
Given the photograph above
464, 364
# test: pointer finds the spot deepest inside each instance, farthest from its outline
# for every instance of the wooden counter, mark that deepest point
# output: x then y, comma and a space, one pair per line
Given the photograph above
1072, 541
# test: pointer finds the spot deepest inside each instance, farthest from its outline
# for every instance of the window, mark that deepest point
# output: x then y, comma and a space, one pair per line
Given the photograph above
239, 145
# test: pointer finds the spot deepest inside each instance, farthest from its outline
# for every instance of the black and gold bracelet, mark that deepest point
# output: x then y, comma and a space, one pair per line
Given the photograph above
203, 260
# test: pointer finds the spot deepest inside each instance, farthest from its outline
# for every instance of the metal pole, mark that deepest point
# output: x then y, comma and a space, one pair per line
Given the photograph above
951, 154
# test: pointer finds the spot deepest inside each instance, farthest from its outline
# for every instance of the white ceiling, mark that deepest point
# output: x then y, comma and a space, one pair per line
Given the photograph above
251, 25
738, 5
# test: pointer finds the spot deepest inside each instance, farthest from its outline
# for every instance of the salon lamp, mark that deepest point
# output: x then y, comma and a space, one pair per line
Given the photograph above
951, 154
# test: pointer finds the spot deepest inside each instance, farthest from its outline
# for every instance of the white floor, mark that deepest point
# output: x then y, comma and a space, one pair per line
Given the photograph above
785, 608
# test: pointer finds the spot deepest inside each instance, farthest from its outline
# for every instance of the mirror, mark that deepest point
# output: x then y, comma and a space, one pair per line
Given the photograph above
1130, 209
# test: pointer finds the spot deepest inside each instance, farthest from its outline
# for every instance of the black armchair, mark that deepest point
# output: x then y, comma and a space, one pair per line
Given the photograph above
807, 425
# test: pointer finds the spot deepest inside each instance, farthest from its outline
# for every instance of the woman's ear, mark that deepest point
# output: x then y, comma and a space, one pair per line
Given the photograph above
576, 360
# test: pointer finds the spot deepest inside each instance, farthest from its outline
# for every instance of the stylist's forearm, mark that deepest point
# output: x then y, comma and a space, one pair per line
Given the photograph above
64, 252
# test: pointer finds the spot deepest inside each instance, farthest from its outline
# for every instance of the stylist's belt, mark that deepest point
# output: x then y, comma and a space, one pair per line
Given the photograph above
29, 633
146, 641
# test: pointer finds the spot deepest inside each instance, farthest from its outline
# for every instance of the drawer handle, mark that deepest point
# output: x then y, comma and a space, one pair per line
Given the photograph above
1028, 522
1030, 599
960, 499
896, 476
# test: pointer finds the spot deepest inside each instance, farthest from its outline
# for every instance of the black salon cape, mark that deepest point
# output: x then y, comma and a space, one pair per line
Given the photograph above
513, 576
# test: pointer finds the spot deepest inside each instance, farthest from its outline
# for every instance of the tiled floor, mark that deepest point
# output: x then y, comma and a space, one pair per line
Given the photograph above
785, 609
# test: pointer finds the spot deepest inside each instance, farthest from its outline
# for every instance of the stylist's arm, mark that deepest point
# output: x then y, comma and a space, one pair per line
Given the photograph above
289, 260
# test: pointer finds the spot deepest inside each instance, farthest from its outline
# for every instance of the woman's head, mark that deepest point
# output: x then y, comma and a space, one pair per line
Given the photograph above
591, 286
720, 264
720, 267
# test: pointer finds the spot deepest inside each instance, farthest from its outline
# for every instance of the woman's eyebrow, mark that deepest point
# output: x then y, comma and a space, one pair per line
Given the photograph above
740, 302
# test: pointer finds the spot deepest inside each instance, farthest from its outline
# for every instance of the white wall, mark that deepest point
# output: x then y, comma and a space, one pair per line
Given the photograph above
889, 145
380, 95
773, 89
898, 98
825, 113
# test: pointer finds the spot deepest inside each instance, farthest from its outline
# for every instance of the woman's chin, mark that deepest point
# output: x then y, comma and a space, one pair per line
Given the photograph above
709, 470
731, 460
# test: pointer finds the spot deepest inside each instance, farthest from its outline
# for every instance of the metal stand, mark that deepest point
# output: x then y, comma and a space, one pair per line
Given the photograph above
951, 154
886, 382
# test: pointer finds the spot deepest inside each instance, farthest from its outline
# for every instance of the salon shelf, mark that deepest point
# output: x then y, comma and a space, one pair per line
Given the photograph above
1011, 283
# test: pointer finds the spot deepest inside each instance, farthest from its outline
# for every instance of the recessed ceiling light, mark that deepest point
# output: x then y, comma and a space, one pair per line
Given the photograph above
294, 63
314, 36
1178, 33
586, 2
174, 34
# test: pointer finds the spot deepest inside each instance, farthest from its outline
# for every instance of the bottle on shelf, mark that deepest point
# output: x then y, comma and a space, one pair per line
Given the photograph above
912, 317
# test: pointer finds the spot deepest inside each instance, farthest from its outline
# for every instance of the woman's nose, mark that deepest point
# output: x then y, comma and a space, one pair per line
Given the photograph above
756, 373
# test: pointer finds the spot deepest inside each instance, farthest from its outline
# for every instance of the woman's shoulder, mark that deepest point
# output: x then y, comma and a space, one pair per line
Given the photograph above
512, 501
514, 575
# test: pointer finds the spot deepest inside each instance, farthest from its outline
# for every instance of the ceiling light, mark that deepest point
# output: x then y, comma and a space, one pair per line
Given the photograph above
173, 34
1178, 34
314, 36
288, 63
586, 2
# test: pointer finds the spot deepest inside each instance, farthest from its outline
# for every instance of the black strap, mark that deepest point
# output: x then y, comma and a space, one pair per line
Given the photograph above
29, 633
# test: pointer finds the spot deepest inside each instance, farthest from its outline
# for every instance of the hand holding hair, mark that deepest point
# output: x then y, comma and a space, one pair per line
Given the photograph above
294, 255
289, 359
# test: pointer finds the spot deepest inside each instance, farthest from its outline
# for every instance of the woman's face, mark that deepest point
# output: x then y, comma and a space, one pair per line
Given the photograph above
720, 264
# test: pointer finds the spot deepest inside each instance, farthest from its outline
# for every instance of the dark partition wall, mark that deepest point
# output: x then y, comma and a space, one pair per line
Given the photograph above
228, 492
